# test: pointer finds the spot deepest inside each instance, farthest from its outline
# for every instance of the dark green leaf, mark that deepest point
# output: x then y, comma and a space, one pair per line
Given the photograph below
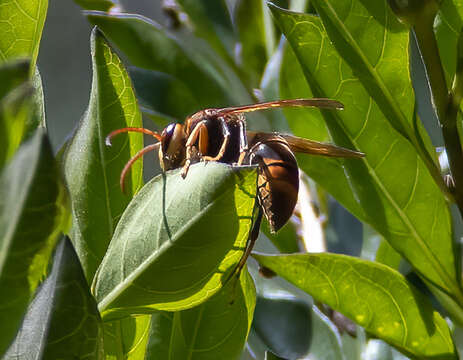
37, 117
21, 25
448, 27
293, 329
15, 110
216, 329
391, 185
30, 220
178, 240
211, 21
127, 338
63, 321
92, 169
150, 46
256, 35
12, 74
163, 93
374, 296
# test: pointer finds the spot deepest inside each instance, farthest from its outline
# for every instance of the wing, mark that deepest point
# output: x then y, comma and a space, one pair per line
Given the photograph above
307, 146
316, 102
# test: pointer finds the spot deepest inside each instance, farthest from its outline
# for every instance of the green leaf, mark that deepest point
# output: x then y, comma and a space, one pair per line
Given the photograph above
374, 296
163, 93
21, 25
178, 240
30, 220
391, 184
216, 329
127, 338
37, 118
152, 47
62, 321
387, 255
293, 329
92, 169
256, 35
15, 110
448, 26
13, 73
376, 46
211, 21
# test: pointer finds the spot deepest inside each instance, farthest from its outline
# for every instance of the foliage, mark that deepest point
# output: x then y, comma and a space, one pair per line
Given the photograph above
149, 273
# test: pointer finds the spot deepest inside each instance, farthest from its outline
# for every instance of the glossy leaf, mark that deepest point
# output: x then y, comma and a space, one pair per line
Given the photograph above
374, 296
93, 169
163, 93
375, 45
216, 329
21, 25
178, 240
30, 220
62, 321
391, 184
211, 21
127, 338
152, 47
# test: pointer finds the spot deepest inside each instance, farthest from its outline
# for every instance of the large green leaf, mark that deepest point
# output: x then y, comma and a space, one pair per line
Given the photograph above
150, 46
21, 25
178, 240
63, 321
127, 338
374, 296
30, 219
216, 329
92, 169
391, 184
376, 46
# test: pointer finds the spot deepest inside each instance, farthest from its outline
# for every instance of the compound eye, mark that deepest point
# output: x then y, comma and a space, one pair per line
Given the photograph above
166, 136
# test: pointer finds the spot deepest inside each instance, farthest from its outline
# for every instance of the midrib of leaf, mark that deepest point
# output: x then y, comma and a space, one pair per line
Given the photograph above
148, 261
409, 134
195, 332
103, 159
421, 242
35, 39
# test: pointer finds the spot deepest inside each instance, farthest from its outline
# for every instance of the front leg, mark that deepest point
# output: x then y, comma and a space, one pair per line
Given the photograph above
226, 139
189, 146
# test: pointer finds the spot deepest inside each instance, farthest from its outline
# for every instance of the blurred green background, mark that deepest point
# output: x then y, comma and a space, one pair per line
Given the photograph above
64, 62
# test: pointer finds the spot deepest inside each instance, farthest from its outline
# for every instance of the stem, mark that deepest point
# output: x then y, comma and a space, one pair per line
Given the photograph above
445, 107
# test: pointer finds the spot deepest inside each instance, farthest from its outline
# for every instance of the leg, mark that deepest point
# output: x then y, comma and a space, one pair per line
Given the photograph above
243, 141
249, 245
226, 139
189, 144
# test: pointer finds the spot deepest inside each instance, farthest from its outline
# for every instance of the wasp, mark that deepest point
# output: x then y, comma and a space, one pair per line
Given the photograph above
221, 135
